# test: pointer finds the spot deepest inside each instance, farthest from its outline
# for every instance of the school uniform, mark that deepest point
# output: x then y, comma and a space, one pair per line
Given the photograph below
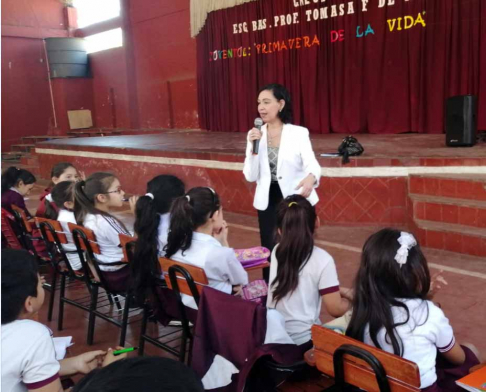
220, 264
106, 230
28, 356
13, 197
163, 232
65, 217
427, 332
302, 307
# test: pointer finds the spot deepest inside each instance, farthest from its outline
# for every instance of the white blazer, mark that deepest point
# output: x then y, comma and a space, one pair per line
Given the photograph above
296, 160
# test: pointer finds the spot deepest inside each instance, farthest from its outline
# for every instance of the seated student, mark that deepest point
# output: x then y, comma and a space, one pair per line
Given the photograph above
28, 357
391, 311
93, 200
198, 236
301, 274
62, 171
16, 184
152, 219
147, 374
62, 197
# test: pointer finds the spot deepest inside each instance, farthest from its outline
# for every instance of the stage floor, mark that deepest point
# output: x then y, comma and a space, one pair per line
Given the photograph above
380, 150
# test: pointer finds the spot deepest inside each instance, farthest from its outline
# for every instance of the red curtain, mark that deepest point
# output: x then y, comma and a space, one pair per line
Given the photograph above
383, 82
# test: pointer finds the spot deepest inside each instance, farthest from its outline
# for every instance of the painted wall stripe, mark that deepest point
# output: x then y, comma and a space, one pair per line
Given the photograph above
377, 171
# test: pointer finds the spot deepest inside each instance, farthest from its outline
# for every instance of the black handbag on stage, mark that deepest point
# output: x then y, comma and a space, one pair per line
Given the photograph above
350, 147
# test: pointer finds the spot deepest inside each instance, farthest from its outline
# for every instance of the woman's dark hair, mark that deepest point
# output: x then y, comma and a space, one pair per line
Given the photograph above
12, 176
281, 93
61, 193
19, 281
187, 214
381, 283
147, 374
296, 221
58, 169
85, 193
165, 189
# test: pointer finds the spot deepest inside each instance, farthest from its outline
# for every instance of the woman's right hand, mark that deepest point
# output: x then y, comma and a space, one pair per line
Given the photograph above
222, 234
254, 134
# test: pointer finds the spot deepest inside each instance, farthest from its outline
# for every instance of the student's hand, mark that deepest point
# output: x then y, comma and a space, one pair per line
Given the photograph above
222, 234
81, 176
110, 358
87, 362
436, 283
307, 185
133, 201
254, 134
42, 279
238, 290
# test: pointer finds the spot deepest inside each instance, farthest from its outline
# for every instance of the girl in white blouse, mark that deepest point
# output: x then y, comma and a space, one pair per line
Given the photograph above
198, 236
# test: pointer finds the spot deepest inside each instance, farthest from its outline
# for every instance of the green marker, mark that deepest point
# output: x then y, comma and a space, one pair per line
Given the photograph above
125, 350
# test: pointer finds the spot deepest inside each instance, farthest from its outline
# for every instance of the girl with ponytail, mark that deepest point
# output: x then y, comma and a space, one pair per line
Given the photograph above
301, 274
198, 236
93, 200
63, 199
16, 183
62, 171
152, 219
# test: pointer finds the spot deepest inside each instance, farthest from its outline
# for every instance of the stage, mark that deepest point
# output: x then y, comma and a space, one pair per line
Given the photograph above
408, 180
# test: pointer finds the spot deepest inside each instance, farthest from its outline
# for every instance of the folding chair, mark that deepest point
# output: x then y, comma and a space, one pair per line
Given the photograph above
9, 235
87, 247
189, 280
55, 238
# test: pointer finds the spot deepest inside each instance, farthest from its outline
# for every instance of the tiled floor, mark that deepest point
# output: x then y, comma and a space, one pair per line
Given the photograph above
463, 300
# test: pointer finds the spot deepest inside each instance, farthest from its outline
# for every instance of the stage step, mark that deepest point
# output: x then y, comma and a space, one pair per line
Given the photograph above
12, 156
449, 210
30, 160
462, 186
452, 237
22, 147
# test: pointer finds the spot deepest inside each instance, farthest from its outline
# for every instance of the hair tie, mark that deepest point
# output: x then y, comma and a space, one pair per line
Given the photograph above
188, 198
150, 195
291, 204
406, 241
211, 189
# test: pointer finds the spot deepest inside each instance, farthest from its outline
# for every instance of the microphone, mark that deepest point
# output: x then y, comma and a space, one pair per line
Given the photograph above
256, 143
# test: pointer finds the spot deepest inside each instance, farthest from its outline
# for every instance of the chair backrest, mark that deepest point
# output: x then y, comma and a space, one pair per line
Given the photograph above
330, 348
52, 229
85, 241
127, 243
89, 239
196, 274
22, 218
8, 231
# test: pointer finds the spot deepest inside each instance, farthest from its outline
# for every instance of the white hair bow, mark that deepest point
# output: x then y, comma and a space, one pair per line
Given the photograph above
406, 241
150, 195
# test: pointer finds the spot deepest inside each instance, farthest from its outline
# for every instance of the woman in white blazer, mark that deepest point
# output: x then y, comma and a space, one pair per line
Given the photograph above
285, 163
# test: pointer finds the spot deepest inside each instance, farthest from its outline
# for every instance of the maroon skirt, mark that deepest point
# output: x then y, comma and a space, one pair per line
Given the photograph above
448, 374
117, 281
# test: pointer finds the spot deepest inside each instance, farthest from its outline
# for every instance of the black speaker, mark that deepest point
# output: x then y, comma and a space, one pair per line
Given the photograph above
460, 121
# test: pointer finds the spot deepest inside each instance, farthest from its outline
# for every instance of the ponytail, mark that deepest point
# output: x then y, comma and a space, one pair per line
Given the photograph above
61, 193
296, 221
12, 176
144, 264
161, 192
187, 214
50, 212
85, 193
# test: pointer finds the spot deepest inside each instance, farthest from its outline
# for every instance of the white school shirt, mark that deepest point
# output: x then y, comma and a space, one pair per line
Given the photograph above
28, 356
106, 230
302, 307
65, 217
427, 331
222, 268
163, 232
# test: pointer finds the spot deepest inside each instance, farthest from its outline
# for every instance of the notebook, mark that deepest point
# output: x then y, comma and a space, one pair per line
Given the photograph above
474, 382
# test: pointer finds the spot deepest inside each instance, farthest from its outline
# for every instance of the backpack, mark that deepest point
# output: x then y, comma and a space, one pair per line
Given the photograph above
350, 147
